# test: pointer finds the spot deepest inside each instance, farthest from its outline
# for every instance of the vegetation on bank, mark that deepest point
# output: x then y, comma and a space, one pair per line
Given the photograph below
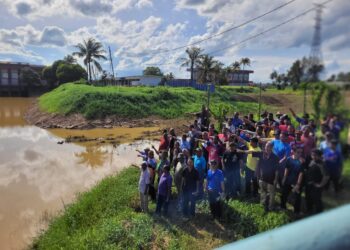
138, 102
106, 217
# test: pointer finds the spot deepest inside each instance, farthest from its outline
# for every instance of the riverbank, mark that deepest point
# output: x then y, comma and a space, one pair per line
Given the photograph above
108, 217
81, 106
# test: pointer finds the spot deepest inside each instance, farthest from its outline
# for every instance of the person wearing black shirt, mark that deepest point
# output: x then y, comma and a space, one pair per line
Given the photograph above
293, 179
190, 187
316, 177
232, 163
267, 173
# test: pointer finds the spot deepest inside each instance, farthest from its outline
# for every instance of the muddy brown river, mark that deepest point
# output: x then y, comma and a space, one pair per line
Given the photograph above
38, 175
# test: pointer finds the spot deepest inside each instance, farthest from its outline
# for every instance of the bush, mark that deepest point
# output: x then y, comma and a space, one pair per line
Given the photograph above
70, 73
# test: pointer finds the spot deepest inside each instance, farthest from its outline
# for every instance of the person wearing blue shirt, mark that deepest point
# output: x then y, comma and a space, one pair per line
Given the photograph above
201, 165
215, 188
184, 144
333, 163
236, 121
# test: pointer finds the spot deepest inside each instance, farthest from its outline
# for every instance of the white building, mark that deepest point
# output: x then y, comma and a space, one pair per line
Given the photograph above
139, 80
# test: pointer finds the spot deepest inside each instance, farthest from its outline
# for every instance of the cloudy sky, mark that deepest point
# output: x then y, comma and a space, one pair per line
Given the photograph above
41, 31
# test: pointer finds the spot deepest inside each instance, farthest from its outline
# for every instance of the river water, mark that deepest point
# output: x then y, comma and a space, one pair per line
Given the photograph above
38, 175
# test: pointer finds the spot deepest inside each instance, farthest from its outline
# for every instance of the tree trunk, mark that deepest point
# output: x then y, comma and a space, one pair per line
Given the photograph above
90, 80
192, 65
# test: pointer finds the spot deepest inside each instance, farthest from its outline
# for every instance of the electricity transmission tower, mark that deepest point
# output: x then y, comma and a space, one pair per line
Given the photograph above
316, 53
315, 57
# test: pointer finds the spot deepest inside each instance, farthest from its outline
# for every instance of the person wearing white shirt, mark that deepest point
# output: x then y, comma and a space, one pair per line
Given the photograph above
143, 186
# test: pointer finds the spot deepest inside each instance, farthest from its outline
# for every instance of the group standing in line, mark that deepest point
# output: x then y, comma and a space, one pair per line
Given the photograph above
270, 155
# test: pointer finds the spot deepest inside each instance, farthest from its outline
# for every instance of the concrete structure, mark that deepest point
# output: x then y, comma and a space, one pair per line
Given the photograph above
10, 81
139, 80
326, 231
239, 77
235, 78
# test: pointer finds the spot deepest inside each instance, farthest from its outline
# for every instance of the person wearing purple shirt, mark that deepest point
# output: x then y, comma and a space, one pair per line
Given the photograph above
164, 191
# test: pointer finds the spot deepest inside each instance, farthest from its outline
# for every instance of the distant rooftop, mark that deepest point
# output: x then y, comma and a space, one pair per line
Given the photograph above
21, 63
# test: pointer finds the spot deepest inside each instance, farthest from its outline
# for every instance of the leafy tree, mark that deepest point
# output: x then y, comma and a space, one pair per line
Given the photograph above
49, 72
317, 95
274, 76
69, 59
245, 62
48, 75
314, 71
332, 99
343, 77
30, 77
91, 51
70, 73
207, 66
152, 71
194, 56
296, 73
170, 76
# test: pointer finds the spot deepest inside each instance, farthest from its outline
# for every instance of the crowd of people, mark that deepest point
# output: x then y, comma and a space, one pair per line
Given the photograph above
278, 153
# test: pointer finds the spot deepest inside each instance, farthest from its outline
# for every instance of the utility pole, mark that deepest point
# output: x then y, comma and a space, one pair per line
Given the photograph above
208, 99
111, 61
259, 100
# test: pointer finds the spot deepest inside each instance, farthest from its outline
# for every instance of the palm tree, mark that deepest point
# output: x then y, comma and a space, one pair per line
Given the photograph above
91, 51
236, 66
245, 61
69, 59
207, 66
194, 55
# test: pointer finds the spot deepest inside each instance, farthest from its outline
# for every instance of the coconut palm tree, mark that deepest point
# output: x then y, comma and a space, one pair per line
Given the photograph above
207, 66
236, 66
194, 55
91, 51
245, 61
69, 59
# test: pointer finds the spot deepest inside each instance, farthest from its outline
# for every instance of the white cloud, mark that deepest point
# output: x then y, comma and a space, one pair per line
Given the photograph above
33, 9
144, 4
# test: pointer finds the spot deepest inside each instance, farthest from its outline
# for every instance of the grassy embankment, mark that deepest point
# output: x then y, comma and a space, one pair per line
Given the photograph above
106, 218
139, 102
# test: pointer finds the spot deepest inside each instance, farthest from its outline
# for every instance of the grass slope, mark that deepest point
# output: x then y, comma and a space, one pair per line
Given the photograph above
106, 218
137, 102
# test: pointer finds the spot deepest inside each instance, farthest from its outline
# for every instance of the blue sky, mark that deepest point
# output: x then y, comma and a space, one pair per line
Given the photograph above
41, 31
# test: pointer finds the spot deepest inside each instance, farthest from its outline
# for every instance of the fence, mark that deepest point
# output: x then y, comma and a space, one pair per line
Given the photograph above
188, 83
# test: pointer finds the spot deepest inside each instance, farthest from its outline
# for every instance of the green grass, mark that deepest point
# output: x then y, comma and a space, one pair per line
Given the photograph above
105, 218
138, 102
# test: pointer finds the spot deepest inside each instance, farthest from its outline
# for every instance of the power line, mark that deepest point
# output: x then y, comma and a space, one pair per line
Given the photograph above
228, 30
268, 30
263, 32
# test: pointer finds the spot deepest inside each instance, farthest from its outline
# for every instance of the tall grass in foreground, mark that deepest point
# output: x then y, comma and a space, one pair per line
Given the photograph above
105, 218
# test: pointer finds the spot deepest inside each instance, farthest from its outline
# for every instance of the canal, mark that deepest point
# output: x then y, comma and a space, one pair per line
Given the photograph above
38, 175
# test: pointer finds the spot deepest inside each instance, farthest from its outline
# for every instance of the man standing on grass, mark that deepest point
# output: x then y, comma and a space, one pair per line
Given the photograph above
216, 188
316, 177
200, 165
232, 163
164, 191
252, 161
293, 179
267, 173
190, 187
333, 163
143, 186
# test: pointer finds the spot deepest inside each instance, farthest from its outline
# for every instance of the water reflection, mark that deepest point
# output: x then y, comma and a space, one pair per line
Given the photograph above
37, 175
12, 110
92, 156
